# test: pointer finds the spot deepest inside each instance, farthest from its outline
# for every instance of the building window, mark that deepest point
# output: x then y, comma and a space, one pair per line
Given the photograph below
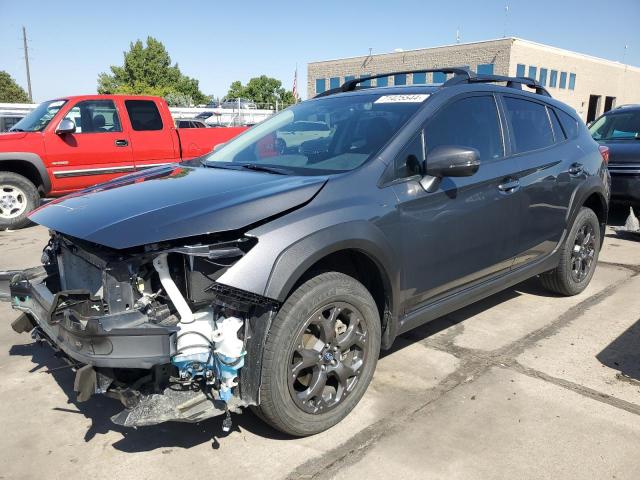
321, 85
543, 77
533, 72
572, 81
419, 78
520, 70
334, 82
439, 77
563, 79
400, 79
382, 82
553, 79
349, 77
365, 83
485, 69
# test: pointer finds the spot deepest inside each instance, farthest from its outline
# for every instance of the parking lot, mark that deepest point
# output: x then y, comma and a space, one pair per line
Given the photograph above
521, 385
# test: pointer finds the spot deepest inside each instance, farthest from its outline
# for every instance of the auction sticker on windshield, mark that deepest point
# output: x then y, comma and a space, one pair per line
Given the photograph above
417, 98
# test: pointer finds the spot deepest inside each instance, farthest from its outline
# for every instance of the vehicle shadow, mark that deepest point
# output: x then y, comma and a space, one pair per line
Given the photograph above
618, 213
623, 354
99, 410
531, 286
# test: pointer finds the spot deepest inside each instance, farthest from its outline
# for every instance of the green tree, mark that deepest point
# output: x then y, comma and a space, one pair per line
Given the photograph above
10, 91
147, 70
262, 90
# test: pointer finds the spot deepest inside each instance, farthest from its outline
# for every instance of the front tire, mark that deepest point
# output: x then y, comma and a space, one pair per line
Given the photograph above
18, 197
578, 257
320, 355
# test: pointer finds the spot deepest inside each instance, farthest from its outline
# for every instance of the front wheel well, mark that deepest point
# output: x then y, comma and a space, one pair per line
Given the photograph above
363, 268
26, 169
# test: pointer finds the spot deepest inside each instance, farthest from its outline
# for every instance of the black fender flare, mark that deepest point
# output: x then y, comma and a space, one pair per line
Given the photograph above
34, 160
360, 235
593, 185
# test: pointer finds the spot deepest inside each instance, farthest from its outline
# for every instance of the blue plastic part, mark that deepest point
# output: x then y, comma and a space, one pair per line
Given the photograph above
228, 369
221, 367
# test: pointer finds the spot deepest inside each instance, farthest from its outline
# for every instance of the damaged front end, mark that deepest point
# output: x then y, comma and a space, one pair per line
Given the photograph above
150, 325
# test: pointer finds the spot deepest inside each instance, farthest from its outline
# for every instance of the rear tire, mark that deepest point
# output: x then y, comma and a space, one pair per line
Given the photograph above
320, 355
18, 197
578, 257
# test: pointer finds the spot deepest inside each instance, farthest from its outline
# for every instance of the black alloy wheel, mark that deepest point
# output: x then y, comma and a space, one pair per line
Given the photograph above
328, 356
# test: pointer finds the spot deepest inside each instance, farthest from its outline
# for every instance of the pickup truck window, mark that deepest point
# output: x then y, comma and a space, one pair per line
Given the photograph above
95, 116
38, 119
144, 115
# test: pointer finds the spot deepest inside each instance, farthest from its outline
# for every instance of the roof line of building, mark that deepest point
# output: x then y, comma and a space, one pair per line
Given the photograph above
564, 51
415, 50
493, 40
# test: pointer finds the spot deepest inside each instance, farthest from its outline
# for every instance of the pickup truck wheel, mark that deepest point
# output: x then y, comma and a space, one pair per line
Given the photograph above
18, 196
578, 256
320, 355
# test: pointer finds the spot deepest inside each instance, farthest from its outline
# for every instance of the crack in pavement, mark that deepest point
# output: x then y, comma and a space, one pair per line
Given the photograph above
473, 364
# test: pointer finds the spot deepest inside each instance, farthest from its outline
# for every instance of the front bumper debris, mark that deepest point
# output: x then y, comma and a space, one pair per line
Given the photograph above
7, 275
177, 406
93, 340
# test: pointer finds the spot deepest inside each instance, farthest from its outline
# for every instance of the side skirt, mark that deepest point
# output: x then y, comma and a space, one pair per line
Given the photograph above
473, 294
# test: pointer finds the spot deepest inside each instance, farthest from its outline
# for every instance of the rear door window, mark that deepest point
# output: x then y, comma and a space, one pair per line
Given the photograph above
469, 122
558, 132
144, 115
529, 122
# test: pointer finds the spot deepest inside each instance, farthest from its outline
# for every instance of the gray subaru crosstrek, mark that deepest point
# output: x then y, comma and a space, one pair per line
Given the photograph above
271, 272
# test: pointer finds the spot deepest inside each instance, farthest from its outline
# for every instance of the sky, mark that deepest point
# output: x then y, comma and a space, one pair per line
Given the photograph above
71, 42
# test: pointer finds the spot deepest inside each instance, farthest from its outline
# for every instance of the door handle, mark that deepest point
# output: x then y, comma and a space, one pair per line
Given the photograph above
121, 143
509, 185
576, 169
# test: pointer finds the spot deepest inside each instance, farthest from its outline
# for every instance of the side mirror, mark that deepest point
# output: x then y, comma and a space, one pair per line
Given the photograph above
452, 161
449, 161
66, 126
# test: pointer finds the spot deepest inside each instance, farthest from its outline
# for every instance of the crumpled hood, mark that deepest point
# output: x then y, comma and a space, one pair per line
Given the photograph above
174, 202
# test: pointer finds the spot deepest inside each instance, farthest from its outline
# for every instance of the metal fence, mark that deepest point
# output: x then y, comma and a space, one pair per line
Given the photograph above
213, 116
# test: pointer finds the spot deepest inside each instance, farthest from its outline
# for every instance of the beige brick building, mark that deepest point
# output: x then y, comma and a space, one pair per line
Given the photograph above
589, 84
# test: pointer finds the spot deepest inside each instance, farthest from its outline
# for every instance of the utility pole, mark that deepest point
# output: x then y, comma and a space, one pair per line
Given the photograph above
26, 61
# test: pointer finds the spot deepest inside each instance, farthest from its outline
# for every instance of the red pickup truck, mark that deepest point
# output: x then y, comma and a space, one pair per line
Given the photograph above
68, 144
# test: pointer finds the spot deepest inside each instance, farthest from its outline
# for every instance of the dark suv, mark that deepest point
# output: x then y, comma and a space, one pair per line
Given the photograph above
271, 272
619, 131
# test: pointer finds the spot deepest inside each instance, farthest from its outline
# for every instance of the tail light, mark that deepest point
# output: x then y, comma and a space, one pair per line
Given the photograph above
604, 151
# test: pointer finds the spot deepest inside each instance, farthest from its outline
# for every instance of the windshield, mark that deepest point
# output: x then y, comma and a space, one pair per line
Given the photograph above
617, 126
329, 135
39, 118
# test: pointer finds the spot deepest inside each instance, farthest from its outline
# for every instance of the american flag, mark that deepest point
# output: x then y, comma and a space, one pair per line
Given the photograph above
295, 85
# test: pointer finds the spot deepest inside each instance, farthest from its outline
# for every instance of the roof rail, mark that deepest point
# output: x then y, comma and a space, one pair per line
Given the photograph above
461, 75
512, 82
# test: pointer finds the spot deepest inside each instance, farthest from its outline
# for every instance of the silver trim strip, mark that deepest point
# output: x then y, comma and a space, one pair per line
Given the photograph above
104, 170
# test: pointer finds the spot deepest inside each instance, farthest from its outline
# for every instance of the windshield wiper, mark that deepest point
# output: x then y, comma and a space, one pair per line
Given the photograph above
17, 130
264, 168
206, 164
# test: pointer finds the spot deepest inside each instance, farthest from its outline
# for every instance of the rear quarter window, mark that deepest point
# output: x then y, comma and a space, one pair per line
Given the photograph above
144, 115
569, 124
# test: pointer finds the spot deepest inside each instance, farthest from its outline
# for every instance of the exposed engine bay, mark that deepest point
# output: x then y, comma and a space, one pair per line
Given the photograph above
150, 326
